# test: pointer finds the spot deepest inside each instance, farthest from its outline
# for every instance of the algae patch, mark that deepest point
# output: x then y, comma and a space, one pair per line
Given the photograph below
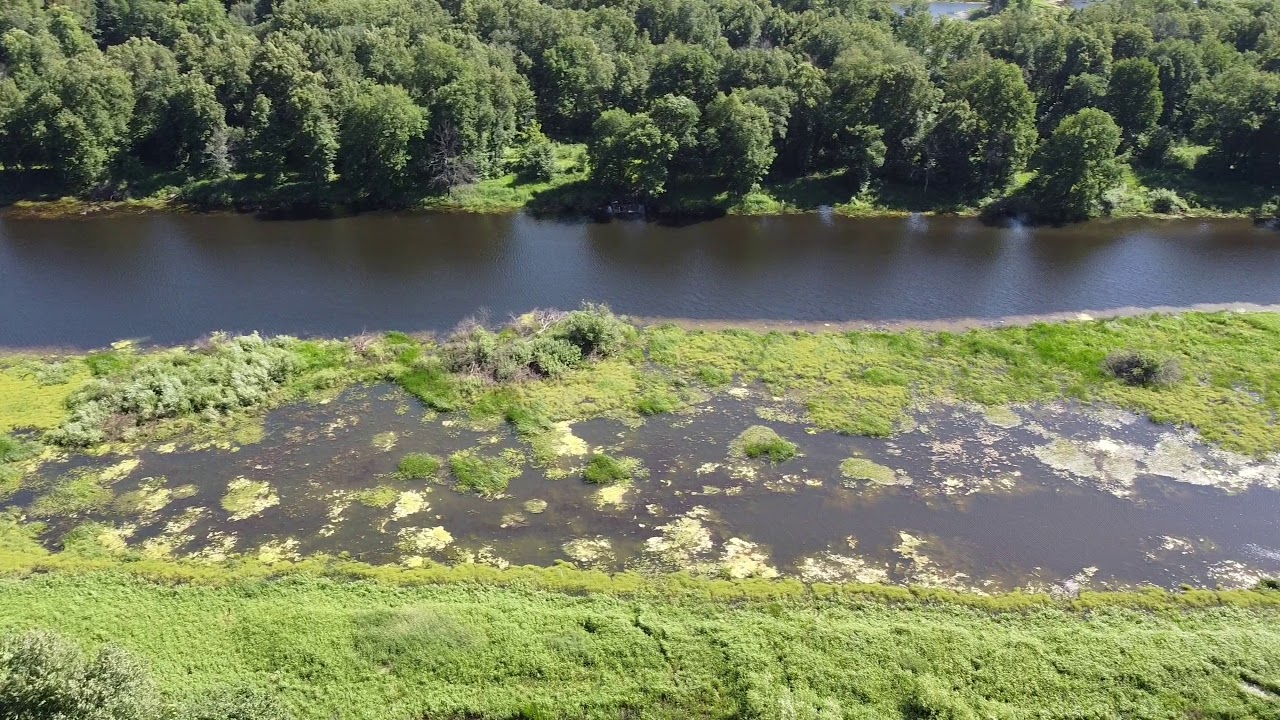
424, 540
408, 503
590, 551
743, 559
245, 498
612, 496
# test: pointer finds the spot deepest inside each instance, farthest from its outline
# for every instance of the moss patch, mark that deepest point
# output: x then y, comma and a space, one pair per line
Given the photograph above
30, 397
857, 471
382, 496
759, 441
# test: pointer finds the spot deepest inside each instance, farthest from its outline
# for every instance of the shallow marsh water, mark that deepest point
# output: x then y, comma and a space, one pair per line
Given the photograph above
1050, 496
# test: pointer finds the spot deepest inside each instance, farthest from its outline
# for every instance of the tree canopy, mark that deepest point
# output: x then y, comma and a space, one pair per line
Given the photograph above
402, 98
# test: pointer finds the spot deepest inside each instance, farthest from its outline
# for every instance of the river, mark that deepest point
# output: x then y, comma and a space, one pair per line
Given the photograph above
85, 282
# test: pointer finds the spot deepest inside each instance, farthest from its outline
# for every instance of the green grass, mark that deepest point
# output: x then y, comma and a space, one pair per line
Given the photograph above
419, 466
369, 650
487, 476
608, 470
864, 382
759, 441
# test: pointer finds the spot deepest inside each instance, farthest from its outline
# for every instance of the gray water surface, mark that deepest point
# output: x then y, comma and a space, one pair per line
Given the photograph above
172, 278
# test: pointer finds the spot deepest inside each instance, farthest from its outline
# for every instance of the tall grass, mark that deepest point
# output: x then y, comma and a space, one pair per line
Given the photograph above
367, 650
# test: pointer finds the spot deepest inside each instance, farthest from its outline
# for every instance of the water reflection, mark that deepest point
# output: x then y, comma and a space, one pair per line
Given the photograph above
171, 278
967, 499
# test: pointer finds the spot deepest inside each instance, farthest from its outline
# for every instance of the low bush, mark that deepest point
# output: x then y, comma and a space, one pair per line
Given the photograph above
419, 466
594, 330
234, 374
1166, 202
759, 441
43, 675
540, 348
1141, 370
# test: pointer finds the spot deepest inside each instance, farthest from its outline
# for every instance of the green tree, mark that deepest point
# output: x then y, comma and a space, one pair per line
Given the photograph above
629, 153
739, 139
1133, 96
1077, 165
1180, 69
678, 117
687, 70
1238, 114
379, 128
577, 80
987, 132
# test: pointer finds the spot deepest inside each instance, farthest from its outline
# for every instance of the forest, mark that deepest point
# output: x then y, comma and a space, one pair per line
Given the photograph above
1124, 106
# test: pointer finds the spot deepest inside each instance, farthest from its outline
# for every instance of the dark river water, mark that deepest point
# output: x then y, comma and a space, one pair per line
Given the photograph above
172, 278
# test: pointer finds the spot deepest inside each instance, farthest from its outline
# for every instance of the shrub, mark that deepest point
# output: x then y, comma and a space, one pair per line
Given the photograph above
235, 374
487, 476
505, 359
236, 704
553, 357
759, 441
475, 350
594, 330
43, 675
419, 466
1140, 370
1166, 202
607, 470
536, 162
1269, 211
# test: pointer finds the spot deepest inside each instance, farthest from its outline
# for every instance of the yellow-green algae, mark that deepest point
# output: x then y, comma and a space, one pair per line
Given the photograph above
245, 498
28, 400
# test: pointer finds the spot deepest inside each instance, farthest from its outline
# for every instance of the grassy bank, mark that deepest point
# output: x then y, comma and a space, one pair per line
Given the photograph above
359, 649
550, 368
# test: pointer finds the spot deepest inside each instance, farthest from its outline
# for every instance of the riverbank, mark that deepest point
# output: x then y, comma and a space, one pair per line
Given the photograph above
570, 193
860, 382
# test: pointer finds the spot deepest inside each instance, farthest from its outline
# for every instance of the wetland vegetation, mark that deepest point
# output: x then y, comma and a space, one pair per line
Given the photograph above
396, 525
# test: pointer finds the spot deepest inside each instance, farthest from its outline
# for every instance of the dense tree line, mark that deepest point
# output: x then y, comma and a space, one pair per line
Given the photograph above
382, 97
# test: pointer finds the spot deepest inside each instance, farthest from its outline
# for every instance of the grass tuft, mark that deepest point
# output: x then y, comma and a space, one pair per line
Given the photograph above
759, 441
